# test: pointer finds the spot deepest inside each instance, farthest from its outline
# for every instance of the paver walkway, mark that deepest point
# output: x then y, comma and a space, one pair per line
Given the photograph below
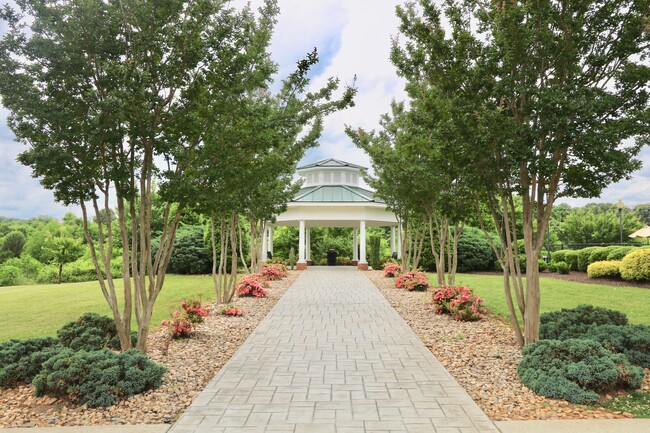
333, 356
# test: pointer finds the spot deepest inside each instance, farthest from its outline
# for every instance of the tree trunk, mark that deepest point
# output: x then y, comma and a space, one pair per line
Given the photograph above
58, 281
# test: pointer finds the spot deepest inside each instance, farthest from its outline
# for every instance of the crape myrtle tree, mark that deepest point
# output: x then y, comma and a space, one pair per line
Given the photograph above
417, 178
248, 149
93, 88
560, 109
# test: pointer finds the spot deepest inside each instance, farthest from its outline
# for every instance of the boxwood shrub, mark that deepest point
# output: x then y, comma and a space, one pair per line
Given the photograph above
97, 378
617, 253
561, 267
636, 265
604, 269
575, 370
584, 256
574, 322
21, 360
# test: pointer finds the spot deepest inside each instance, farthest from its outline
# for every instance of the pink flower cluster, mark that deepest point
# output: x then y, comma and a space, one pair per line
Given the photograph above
253, 285
195, 311
233, 311
178, 326
392, 269
271, 272
412, 281
460, 302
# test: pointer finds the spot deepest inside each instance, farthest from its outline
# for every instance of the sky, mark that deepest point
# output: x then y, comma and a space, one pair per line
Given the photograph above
352, 38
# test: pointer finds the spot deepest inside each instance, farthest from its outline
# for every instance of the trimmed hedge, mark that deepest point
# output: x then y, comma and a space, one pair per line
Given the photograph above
561, 267
605, 269
636, 265
600, 255
617, 253
574, 370
21, 360
584, 256
98, 378
574, 322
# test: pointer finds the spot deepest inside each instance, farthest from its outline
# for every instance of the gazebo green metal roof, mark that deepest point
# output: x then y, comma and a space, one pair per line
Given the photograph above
332, 163
336, 194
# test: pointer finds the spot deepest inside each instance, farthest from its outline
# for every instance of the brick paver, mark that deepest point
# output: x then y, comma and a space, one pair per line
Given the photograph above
333, 356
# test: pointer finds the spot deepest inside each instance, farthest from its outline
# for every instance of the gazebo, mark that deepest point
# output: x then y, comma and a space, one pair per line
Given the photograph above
331, 197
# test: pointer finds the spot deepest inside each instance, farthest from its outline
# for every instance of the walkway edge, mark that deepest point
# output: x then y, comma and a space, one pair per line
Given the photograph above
134, 428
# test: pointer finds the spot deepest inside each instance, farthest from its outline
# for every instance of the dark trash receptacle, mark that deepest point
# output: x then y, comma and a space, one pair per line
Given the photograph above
331, 257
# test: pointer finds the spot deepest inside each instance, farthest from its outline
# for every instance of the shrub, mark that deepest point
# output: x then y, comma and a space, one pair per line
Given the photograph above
605, 269
392, 269
374, 251
584, 256
9, 275
617, 253
98, 378
195, 311
542, 265
600, 255
571, 258
458, 301
231, 310
632, 340
252, 285
636, 265
179, 326
574, 370
21, 360
271, 272
562, 267
91, 331
559, 256
574, 322
474, 251
412, 281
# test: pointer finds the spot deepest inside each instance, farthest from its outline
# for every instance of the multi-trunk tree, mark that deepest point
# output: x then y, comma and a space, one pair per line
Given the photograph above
549, 99
96, 91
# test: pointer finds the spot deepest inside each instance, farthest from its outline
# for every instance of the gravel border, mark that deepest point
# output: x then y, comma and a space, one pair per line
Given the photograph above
483, 357
190, 363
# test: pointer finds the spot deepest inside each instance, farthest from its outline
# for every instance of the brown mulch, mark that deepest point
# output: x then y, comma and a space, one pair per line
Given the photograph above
483, 357
582, 277
191, 364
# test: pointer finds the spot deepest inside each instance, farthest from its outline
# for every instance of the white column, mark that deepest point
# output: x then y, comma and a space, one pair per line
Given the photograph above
362, 242
264, 245
308, 246
271, 240
355, 245
301, 243
392, 240
399, 241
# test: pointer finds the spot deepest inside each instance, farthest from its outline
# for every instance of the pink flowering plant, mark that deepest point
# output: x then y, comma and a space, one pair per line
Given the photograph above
231, 310
392, 269
459, 302
179, 326
195, 311
271, 272
412, 281
253, 285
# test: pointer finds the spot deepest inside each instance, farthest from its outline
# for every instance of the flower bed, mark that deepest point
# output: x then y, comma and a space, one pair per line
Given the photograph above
253, 285
412, 281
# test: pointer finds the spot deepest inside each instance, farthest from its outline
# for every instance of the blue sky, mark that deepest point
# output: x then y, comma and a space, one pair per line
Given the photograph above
353, 38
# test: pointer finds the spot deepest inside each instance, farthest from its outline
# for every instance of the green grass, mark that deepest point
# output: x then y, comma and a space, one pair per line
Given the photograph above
637, 403
39, 310
557, 294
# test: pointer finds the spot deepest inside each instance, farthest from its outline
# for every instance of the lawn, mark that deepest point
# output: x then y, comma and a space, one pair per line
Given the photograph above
557, 294
39, 310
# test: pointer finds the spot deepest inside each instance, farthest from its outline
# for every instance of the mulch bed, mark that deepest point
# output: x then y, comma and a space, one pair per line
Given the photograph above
483, 357
582, 277
191, 364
